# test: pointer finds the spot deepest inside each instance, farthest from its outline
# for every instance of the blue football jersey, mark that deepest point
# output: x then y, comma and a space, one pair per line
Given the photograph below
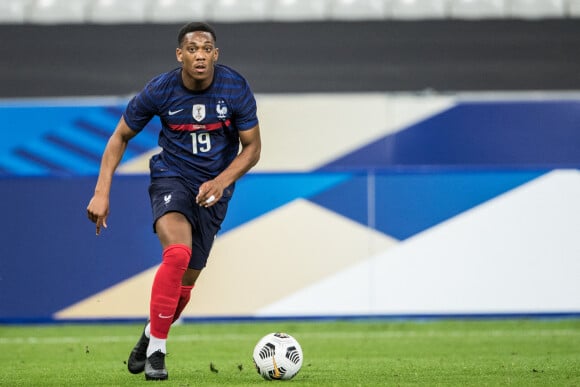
199, 130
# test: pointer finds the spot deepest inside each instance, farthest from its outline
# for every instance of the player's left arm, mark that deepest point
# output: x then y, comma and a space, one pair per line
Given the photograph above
248, 157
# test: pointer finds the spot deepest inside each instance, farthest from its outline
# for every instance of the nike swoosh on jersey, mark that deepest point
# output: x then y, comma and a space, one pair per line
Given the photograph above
172, 112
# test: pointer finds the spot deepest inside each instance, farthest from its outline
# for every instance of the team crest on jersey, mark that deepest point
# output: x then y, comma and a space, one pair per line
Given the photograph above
198, 112
221, 109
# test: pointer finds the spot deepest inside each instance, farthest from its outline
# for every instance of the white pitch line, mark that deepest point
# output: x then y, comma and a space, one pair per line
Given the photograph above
302, 335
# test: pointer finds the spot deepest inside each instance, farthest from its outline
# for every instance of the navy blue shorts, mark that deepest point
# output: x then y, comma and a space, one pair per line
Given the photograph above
171, 194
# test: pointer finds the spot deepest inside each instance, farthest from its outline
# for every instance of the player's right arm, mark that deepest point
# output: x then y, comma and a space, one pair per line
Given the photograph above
98, 208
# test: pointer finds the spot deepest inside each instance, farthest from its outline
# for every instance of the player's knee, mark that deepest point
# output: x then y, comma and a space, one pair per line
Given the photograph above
177, 255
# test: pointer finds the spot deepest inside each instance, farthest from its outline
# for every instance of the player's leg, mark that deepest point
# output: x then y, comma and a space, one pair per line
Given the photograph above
174, 232
171, 203
187, 284
136, 362
139, 356
206, 224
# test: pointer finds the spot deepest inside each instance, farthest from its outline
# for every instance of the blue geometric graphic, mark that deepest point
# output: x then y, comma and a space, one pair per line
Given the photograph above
478, 135
404, 204
62, 140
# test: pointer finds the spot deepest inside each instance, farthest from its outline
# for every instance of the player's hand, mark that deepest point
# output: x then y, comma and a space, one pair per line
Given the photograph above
97, 212
209, 194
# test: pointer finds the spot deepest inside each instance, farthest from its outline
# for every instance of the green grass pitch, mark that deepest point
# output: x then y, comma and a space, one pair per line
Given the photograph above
339, 353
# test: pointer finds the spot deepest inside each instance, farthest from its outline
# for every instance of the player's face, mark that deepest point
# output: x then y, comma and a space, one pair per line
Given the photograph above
198, 55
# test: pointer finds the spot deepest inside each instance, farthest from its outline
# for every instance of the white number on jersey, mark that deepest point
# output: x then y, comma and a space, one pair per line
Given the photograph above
201, 142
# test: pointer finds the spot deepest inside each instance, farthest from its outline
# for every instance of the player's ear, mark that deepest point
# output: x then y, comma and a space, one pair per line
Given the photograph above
216, 54
178, 55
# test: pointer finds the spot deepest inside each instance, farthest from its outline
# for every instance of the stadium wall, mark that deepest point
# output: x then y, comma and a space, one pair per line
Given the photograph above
433, 205
300, 57
386, 187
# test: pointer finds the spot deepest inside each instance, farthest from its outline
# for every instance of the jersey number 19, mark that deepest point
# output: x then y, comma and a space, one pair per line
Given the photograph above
201, 142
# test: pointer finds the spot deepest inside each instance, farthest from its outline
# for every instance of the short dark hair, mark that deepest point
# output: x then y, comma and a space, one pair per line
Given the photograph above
192, 27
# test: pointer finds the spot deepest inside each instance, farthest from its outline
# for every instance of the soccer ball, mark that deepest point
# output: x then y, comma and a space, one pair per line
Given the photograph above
278, 356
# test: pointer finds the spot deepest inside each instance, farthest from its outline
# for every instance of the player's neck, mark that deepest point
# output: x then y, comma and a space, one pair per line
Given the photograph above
195, 84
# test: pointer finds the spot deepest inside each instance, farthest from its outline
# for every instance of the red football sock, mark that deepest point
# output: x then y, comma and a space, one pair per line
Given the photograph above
166, 288
183, 300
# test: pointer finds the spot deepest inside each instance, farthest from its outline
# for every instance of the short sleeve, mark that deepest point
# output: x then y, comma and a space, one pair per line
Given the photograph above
246, 114
140, 109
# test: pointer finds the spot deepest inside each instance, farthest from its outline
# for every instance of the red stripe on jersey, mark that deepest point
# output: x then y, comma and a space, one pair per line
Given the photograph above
194, 127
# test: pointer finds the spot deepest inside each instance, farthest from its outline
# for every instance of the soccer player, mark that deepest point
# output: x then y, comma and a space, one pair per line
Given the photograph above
207, 110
